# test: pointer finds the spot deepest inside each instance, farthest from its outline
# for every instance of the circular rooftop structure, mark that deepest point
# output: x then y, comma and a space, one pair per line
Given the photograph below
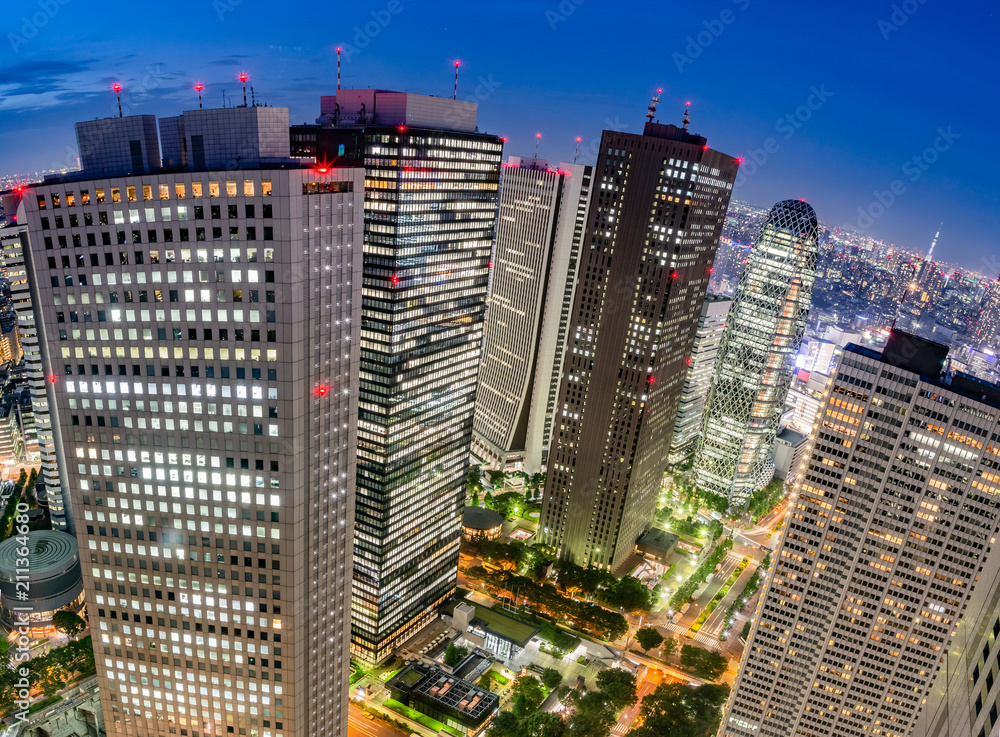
480, 523
39, 576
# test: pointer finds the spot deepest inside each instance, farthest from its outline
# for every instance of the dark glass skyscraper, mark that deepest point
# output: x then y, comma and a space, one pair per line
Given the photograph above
431, 182
658, 202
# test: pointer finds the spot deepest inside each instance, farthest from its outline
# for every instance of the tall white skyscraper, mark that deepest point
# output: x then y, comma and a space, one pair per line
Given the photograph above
200, 327
691, 411
893, 522
540, 221
756, 358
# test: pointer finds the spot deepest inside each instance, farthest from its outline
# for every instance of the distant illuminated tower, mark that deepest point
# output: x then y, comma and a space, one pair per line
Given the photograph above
756, 359
988, 324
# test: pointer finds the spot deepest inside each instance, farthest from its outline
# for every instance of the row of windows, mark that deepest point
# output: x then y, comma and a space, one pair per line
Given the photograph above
162, 191
166, 215
184, 236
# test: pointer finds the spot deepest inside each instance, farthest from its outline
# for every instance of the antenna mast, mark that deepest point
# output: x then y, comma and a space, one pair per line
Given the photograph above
338, 69
577, 152
118, 93
538, 137
687, 115
652, 105
457, 63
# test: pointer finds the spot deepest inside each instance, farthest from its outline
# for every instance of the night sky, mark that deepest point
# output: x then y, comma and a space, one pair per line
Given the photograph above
881, 96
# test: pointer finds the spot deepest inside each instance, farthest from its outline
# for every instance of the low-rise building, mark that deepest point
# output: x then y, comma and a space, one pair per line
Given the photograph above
440, 695
503, 636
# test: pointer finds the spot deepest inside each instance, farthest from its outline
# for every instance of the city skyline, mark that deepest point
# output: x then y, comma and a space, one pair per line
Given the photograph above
693, 61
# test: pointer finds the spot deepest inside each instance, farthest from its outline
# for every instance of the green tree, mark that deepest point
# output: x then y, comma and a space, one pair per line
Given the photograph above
528, 695
703, 663
649, 638
454, 654
669, 647
628, 593
594, 716
69, 622
542, 724
678, 710
496, 479
475, 499
551, 678
618, 687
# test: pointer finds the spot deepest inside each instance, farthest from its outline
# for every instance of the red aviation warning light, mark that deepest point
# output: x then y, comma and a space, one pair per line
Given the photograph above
394, 279
53, 378
322, 390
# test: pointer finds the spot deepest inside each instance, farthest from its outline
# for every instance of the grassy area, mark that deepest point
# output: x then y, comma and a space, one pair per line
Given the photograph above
44, 703
419, 717
498, 677
720, 595
357, 673
502, 624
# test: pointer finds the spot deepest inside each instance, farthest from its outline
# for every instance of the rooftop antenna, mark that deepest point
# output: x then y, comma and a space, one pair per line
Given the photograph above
243, 78
118, 93
457, 64
934, 242
199, 86
577, 152
253, 98
338, 69
652, 104
538, 137
687, 114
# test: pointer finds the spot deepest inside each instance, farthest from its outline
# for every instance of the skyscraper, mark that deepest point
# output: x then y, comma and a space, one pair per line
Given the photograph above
656, 212
14, 241
893, 522
987, 326
698, 382
756, 357
431, 181
200, 330
540, 223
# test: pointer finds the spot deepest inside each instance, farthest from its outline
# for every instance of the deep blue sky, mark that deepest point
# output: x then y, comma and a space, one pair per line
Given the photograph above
568, 69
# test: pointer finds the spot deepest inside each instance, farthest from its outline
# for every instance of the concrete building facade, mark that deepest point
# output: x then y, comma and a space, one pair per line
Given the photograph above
890, 527
540, 221
202, 342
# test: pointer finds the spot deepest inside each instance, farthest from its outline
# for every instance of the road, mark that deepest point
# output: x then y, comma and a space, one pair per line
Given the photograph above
358, 725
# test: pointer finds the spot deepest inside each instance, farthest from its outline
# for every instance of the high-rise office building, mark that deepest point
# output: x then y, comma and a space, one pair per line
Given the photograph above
200, 330
691, 410
893, 521
657, 206
756, 357
431, 181
14, 243
540, 221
